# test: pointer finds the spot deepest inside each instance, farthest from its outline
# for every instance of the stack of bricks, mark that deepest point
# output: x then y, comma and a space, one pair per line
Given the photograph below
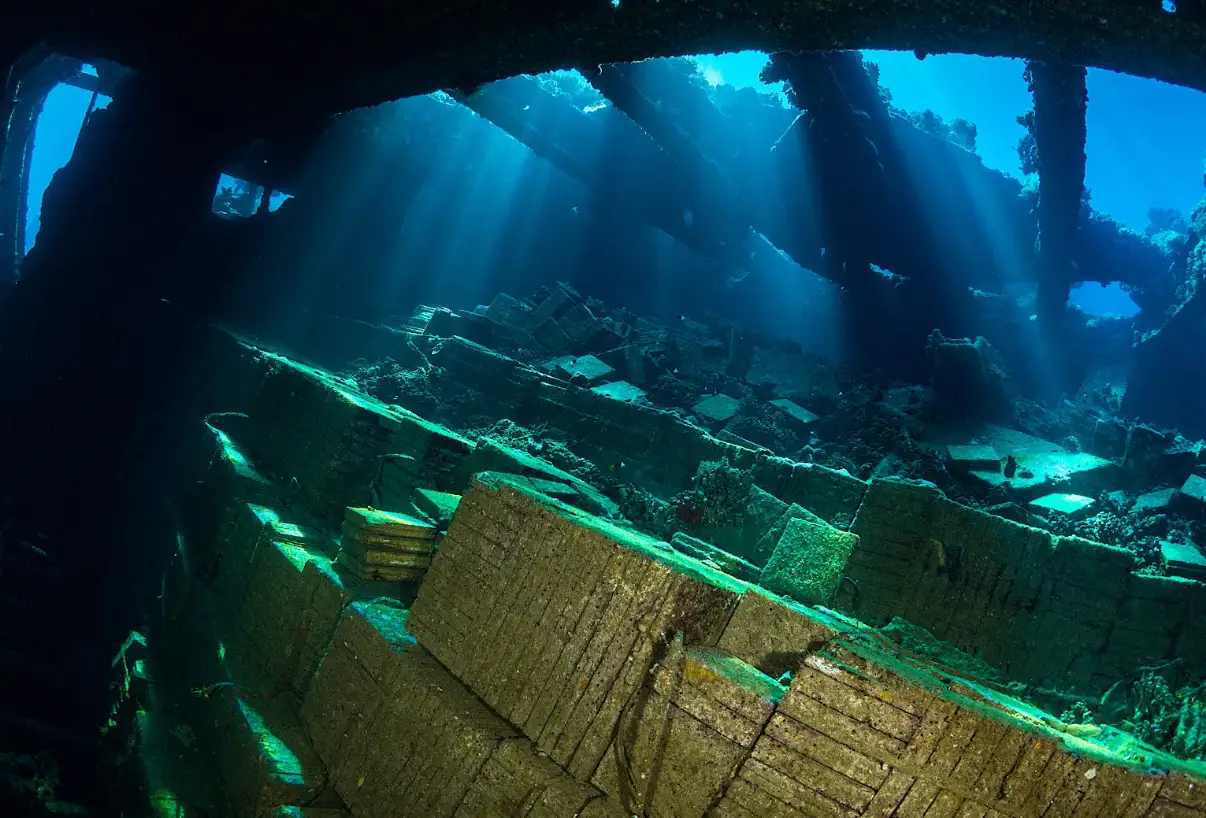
293, 602
1054, 610
864, 731
244, 530
385, 545
555, 618
680, 745
853, 737
402, 737
562, 625
230, 481
834, 496
518, 780
265, 761
496, 381
318, 437
557, 665
244, 648
327, 442
658, 445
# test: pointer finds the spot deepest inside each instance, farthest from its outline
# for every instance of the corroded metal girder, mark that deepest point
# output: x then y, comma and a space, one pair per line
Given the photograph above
1060, 100
262, 57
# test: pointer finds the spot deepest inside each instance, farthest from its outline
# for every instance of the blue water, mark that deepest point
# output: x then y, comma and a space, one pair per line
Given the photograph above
1146, 139
228, 182
54, 141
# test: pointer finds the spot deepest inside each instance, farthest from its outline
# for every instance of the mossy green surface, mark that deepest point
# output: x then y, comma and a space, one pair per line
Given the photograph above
440, 506
808, 562
737, 672
388, 619
708, 553
626, 537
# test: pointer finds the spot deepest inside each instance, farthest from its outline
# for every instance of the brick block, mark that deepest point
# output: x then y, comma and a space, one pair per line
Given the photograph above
808, 563
292, 606
552, 616
266, 761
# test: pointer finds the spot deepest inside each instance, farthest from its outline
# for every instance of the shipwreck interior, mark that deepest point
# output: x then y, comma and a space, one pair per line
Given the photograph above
676, 499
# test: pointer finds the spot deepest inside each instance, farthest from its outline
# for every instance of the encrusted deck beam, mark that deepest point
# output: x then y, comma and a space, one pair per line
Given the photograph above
340, 56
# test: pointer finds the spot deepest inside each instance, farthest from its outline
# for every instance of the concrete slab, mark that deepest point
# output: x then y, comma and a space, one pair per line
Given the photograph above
1073, 506
1155, 502
1043, 467
586, 366
973, 457
1184, 560
800, 417
1043, 472
1121, 498
1190, 499
621, 391
717, 409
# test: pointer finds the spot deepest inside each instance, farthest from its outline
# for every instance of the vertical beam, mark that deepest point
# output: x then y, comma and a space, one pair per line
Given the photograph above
1060, 102
868, 210
78, 333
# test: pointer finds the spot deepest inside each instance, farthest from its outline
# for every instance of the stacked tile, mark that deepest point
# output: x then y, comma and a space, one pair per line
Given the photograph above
1155, 614
774, 634
310, 429
502, 380
386, 545
834, 496
397, 478
266, 762
554, 617
233, 473
518, 781
512, 777
439, 453
798, 767
437, 506
658, 444
851, 707
492, 456
400, 736
1054, 610
242, 530
230, 481
1084, 587
682, 742
423, 456
330, 441
862, 733
911, 539
290, 610
706, 552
